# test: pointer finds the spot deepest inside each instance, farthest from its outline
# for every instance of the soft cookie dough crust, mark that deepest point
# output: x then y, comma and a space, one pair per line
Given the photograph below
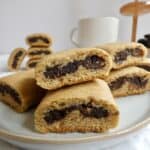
39, 42
127, 88
144, 64
80, 75
23, 82
113, 48
31, 63
12, 56
38, 52
100, 95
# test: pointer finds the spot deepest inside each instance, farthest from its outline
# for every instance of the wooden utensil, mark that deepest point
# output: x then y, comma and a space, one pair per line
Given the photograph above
135, 9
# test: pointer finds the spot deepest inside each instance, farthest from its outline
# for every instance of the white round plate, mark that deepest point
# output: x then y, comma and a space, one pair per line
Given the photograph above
19, 128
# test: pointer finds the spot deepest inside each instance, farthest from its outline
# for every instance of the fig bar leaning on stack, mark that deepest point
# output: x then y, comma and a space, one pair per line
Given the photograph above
86, 107
72, 67
125, 54
16, 58
129, 81
20, 91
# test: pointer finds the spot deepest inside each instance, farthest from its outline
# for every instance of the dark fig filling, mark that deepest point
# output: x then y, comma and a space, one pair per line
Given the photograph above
16, 58
138, 81
87, 110
90, 62
146, 67
122, 55
7, 90
35, 39
32, 64
45, 52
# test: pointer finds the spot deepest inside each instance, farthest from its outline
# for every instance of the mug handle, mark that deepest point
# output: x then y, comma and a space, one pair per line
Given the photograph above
74, 30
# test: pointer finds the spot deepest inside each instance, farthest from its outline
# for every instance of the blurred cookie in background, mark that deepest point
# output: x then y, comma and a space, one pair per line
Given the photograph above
32, 62
16, 58
38, 52
39, 39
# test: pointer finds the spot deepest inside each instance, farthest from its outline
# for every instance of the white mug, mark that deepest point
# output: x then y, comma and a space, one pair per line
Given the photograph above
95, 31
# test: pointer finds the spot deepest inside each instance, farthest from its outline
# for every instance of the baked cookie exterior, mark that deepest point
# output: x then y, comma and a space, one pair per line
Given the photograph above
16, 58
128, 81
39, 39
52, 79
137, 50
32, 62
144, 64
95, 92
38, 52
20, 91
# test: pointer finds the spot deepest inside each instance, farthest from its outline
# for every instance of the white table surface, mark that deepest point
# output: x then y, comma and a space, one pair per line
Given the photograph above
139, 142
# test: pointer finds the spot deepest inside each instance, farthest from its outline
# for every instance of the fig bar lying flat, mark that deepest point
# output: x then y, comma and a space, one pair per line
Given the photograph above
86, 107
38, 52
125, 54
32, 62
129, 81
39, 39
71, 67
20, 91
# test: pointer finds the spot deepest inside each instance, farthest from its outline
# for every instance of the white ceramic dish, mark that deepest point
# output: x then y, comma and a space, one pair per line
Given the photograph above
18, 129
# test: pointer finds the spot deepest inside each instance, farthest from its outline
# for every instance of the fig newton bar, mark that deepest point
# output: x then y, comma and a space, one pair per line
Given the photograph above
72, 67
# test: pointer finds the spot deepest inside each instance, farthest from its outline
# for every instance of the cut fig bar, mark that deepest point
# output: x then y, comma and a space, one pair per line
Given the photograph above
125, 54
16, 58
20, 91
145, 64
38, 52
39, 39
129, 81
31, 63
86, 107
71, 67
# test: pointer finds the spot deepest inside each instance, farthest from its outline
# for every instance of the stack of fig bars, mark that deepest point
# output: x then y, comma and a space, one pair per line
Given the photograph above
39, 46
74, 90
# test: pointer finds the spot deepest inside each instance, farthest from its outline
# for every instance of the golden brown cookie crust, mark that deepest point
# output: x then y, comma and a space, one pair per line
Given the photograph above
31, 63
23, 83
20, 53
39, 42
128, 88
144, 64
113, 48
100, 96
38, 52
80, 75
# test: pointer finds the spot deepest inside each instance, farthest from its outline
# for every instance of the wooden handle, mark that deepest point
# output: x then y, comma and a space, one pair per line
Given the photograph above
134, 28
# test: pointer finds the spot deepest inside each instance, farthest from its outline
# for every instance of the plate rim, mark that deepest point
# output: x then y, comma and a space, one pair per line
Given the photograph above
36, 140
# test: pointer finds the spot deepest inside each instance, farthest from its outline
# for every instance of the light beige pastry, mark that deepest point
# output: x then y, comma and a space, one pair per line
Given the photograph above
39, 39
38, 52
16, 58
129, 81
86, 107
32, 62
72, 67
20, 91
145, 64
125, 54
